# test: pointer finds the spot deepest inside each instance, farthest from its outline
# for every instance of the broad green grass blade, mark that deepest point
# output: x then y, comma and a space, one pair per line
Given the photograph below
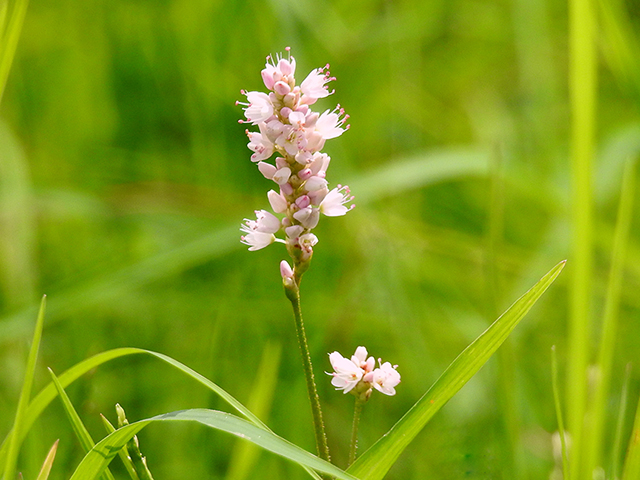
48, 462
99, 457
9, 37
20, 424
376, 462
46, 396
631, 469
84, 437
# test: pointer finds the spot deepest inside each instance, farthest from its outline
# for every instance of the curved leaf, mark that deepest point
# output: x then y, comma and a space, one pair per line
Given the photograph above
96, 461
376, 462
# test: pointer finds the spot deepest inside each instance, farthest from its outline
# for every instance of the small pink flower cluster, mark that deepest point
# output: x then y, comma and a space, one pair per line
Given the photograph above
289, 128
358, 376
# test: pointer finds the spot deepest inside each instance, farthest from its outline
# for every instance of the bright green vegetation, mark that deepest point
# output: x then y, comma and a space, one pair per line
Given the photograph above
124, 177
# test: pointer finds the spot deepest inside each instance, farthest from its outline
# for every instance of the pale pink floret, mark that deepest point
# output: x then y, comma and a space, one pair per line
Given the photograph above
259, 109
315, 85
256, 240
278, 202
285, 269
333, 204
386, 378
260, 144
329, 124
360, 359
346, 374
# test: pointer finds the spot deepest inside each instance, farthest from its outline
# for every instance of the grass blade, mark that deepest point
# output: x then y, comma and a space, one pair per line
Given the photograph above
84, 437
556, 399
631, 469
594, 441
99, 457
19, 424
376, 462
9, 38
48, 462
46, 396
620, 424
122, 453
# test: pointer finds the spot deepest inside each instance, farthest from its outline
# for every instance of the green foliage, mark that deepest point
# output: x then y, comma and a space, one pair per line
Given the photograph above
124, 177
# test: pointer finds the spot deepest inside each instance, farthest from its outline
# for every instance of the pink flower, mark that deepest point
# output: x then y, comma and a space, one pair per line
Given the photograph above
256, 240
333, 204
386, 378
259, 109
358, 373
260, 144
346, 374
329, 125
315, 85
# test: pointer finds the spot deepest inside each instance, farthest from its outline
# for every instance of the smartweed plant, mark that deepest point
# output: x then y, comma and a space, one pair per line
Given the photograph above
289, 129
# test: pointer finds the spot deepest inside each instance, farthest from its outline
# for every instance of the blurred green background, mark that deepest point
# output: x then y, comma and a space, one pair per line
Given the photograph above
124, 176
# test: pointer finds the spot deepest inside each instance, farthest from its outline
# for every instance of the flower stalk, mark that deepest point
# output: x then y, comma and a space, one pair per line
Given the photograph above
293, 294
354, 430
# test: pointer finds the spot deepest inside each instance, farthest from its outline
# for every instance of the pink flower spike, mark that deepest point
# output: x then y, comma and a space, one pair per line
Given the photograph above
333, 205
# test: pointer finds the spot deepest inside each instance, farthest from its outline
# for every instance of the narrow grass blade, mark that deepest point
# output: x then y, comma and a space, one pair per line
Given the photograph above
48, 462
556, 399
20, 425
99, 457
598, 412
631, 469
376, 462
583, 97
9, 39
122, 453
616, 450
84, 437
46, 396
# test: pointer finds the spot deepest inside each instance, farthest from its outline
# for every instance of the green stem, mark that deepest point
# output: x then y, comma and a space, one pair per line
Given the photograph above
293, 294
354, 431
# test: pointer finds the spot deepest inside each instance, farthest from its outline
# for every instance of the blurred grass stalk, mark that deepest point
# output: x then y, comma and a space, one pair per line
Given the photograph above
598, 408
11, 20
582, 92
